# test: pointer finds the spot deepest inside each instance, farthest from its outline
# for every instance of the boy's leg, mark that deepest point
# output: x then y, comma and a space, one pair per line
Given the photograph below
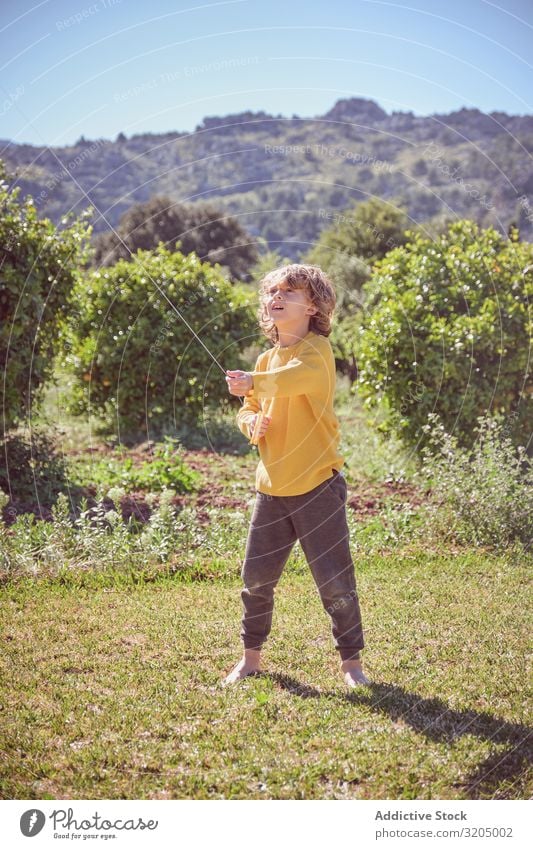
319, 518
271, 537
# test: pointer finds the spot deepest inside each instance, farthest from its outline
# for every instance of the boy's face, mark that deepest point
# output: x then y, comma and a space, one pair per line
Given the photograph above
287, 306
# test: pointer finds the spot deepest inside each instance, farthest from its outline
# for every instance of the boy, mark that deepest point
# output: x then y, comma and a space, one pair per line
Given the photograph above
300, 491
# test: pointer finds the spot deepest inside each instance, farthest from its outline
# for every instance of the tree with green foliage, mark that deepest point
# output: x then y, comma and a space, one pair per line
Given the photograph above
357, 238
202, 228
134, 362
347, 251
448, 329
38, 266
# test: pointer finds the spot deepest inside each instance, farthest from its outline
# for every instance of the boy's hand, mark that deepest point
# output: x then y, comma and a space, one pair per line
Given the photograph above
239, 382
263, 428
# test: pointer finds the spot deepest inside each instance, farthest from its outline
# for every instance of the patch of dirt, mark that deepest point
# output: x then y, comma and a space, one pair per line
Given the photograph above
210, 500
368, 499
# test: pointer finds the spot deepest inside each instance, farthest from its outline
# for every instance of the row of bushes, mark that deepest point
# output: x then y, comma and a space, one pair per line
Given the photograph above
482, 497
443, 325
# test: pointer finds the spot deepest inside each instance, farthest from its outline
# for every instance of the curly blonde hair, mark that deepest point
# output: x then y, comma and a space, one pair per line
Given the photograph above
318, 288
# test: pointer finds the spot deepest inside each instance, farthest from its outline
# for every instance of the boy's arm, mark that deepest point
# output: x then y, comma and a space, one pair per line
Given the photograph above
307, 374
245, 415
250, 407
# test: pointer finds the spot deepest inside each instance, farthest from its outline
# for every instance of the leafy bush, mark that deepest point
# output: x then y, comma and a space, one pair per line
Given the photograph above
347, 251
484, 495
343, 339
38, 264
30, 467
356, 239
134, 362
448, 329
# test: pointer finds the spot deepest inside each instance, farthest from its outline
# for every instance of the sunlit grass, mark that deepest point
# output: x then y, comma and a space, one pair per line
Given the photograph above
116, 636
114, 693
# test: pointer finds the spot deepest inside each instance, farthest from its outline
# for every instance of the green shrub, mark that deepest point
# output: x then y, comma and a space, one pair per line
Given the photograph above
344, 341
356, 239
483, 495
31, 469
448, 329
38, 264
347, 252
133, 360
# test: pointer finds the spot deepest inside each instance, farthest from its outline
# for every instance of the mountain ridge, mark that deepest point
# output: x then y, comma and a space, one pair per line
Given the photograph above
279, 173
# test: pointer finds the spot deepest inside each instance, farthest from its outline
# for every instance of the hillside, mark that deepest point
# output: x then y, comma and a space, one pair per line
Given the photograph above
285, 178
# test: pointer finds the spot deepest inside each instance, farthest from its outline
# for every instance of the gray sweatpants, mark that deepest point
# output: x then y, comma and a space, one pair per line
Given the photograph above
318, 519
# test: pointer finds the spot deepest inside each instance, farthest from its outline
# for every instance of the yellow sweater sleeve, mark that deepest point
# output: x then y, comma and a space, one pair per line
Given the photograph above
245, 415
303, 375
250, 407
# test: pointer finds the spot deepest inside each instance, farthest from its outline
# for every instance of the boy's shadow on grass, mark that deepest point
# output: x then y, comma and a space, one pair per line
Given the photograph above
492, 778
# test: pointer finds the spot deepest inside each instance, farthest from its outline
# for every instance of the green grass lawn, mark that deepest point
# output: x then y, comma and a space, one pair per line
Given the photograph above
114, 693
114, 647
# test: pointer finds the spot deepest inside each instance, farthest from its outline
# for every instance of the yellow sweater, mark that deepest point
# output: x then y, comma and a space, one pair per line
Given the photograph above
295, 386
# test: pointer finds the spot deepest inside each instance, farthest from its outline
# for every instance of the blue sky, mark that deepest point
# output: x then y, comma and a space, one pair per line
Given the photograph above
99, 67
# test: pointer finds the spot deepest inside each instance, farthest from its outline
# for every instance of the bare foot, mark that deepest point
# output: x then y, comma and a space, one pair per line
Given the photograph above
249, 663
353, 673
